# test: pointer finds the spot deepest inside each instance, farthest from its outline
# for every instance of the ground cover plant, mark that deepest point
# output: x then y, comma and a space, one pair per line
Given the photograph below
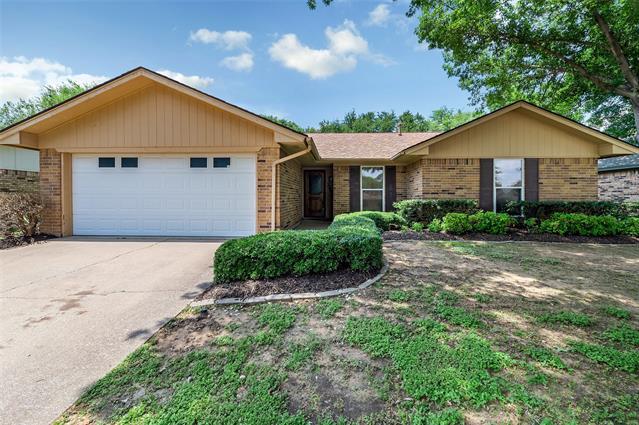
454, 333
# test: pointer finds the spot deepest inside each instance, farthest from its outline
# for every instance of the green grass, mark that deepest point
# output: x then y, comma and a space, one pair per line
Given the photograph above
617, 312
566, 318
301, 352
623, 334
433, 364
623, 360
328, 308
545, 357
398, 295
277, 317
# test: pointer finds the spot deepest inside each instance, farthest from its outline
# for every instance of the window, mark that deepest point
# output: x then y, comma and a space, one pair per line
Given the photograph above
106, 162
372, 182
198, 163
509, 182
221, 162
129, 162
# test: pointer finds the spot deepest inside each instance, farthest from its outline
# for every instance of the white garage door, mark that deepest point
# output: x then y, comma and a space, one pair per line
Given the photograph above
194, 195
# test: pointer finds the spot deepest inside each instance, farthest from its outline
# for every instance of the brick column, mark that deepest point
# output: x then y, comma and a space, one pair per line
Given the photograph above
51, 191
265, 159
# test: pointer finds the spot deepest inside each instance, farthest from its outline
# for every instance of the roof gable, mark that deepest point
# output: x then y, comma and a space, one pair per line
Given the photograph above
120, 86
608, 145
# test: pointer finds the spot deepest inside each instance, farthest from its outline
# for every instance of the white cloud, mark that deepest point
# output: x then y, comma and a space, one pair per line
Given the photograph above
229, 40
21, 77
241, 62
345, 46
195, 81
379, 16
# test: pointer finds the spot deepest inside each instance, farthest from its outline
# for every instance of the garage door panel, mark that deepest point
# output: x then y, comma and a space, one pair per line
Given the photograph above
164, 196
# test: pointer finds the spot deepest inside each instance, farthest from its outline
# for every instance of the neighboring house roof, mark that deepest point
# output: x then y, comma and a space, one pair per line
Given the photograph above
618, 146
119, 86
365, 145
627, 162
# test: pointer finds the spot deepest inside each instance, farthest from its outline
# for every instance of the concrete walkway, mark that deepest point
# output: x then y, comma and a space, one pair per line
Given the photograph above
72, 309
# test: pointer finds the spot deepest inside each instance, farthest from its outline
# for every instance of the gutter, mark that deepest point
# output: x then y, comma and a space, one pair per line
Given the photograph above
309, 148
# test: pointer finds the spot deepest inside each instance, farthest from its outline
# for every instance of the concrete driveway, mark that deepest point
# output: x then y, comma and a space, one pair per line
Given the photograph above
72, 309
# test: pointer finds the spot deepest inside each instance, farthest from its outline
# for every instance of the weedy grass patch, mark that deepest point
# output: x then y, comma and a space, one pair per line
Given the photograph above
566, 318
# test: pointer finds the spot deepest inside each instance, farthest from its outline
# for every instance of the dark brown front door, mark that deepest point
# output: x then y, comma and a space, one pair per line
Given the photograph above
315, 193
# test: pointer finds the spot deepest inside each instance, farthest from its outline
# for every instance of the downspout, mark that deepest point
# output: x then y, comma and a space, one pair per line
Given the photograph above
274, 179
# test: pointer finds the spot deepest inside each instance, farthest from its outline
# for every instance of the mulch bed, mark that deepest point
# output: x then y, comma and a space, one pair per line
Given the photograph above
289, 284
12, 242
516, 235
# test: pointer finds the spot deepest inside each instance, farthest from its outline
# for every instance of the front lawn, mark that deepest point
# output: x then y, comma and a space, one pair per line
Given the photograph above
455, 332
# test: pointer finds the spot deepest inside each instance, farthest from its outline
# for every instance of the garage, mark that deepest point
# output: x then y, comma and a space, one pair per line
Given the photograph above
164, 195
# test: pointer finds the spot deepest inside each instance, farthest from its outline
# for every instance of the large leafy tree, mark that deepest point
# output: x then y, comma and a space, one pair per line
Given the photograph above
14, 111
576, 57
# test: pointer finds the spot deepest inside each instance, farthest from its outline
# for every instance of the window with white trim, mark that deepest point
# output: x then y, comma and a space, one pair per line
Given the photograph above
372, 187
508, 182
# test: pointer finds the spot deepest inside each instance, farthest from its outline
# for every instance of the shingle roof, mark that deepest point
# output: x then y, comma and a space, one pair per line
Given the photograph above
619, 163
365, 145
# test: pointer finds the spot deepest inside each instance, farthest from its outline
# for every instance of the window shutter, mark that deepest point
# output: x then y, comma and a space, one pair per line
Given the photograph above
353, 186
390, 187
531, 179
486, 184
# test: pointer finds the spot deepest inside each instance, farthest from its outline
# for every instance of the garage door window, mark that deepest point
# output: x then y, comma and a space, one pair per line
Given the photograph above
198, 163
129, 163
104, 162
221, 162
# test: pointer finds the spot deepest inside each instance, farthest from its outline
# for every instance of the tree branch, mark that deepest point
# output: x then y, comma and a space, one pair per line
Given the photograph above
617, 52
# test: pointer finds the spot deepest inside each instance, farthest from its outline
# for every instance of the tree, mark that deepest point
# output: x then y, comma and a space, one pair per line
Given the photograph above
576, 57
286, 123
12, 112
379, 122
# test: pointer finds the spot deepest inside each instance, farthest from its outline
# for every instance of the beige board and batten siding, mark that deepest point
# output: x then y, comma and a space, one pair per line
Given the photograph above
157, 119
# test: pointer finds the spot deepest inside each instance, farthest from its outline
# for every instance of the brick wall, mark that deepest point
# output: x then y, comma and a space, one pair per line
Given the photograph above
19, 181
265, 159
568, 179
450, 178
341, 189
621, 185
290, 194
51, 191
400, 183
414, 181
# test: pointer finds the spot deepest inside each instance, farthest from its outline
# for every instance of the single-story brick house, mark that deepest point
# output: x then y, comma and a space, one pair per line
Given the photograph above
619, 178
146, 155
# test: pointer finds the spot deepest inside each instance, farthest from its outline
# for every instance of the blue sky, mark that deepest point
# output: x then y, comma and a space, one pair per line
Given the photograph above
270, 57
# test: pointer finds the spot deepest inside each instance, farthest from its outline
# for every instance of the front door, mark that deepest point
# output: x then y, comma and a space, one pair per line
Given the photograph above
315, 193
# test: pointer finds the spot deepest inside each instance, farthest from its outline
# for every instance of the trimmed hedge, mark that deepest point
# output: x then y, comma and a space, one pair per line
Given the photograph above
351, 241
545, 209
481, 222
426, 210
383, 220
584, 225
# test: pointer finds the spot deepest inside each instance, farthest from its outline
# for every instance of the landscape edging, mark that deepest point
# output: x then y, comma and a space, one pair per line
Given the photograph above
292, 296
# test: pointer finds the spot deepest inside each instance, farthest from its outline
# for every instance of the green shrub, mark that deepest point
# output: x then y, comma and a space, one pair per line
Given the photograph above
490, 222
426, 210
581, 224
418, 227
435, 225
456, 223
351, 241
532, 224
630, 226
545, 209
383, 220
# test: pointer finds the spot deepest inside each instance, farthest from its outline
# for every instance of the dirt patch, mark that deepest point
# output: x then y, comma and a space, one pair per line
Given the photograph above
12, 242
187, 334
289, 284
517, 235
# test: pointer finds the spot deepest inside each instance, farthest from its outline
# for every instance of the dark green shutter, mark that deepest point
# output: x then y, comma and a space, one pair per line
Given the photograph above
353, 187
531, 179
390, 187
486, 184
